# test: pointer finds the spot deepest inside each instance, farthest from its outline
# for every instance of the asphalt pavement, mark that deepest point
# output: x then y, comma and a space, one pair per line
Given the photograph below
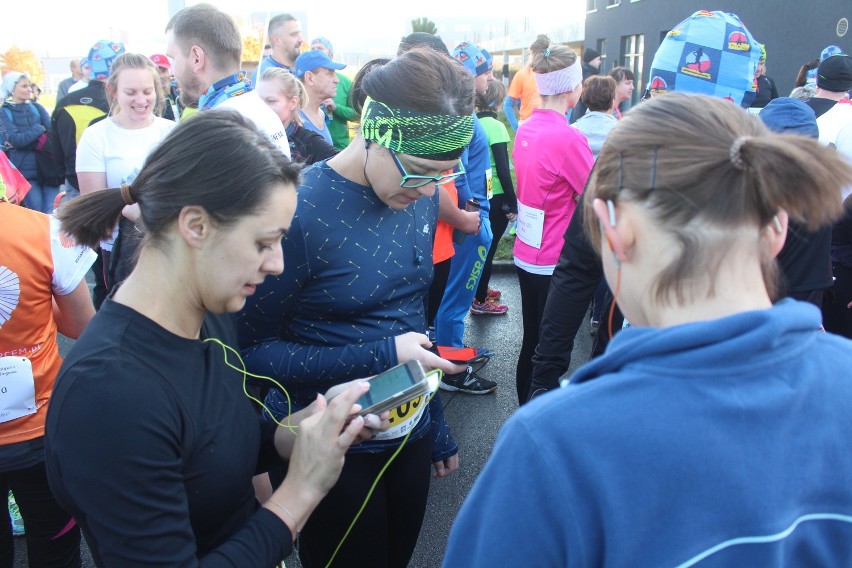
474, 419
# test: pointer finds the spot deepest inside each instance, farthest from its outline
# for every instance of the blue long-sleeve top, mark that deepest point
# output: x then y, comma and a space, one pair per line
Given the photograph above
355, 276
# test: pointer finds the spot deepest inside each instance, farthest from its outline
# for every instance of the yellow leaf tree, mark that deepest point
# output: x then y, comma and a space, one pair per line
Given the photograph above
23, 60
251, 48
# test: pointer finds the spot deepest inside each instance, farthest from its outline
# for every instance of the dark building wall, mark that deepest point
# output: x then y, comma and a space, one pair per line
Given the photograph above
793, 32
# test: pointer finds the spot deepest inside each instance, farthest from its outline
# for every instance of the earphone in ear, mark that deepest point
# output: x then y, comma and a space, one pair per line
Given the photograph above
611, 208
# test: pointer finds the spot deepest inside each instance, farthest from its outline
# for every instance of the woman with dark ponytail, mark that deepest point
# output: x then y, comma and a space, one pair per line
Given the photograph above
714, 430
150, 402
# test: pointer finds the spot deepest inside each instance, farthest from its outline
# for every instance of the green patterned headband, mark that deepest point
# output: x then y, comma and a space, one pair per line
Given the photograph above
430, 136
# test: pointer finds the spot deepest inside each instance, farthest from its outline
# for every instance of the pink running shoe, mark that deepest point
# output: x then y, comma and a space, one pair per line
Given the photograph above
493, 295
488, 308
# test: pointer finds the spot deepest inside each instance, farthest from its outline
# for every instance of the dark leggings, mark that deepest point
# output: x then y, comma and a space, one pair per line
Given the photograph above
499, 222
53, 538
837, 318
534, 289
386, 532
436, 290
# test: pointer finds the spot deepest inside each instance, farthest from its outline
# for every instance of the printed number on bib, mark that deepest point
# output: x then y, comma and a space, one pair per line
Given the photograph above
403, 418
17, 388
489, 184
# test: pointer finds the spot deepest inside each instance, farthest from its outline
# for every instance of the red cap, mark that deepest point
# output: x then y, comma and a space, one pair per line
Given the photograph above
161, 60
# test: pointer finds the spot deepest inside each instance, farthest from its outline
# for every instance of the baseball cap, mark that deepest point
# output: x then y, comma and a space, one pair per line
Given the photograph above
790, 116
310, 60
161, 60
101, 57
835, 73
711, 53
323, 42
477, 61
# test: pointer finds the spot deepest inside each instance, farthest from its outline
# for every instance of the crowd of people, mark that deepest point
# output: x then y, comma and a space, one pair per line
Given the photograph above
264, 243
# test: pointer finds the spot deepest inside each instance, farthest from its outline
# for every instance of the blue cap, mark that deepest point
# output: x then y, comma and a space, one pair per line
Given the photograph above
101, 57
790, 116
476, 60
325, 43
313, 59
712, 53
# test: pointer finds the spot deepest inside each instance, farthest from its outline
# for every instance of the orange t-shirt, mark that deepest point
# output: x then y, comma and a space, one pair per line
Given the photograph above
35, 264
524, 88
443, 248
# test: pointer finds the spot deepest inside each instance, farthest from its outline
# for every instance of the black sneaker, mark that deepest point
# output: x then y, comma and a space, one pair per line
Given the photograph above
468, 382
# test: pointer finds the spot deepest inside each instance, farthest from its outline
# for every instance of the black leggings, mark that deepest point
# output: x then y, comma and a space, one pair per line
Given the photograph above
837, 318
386, 533
499, 222
534, 289
53, 538
436, 290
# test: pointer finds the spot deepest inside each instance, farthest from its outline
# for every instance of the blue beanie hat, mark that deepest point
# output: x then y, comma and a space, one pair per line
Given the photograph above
790, 116
101, 57
477, 61
711, 53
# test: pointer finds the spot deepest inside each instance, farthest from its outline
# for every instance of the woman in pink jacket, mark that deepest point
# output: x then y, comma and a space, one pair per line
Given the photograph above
552, 161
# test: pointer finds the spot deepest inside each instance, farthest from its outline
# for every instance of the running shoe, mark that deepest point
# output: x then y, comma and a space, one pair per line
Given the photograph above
468, 382
15, 515
493, 294
488, 308
513, 230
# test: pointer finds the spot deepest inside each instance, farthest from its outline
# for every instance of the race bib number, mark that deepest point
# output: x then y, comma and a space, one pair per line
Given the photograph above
403, 418
17, 388
530, 225
489, 184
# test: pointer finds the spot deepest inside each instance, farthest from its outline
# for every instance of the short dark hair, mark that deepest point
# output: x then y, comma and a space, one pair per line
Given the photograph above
217, 160
495, 93
621, 74
277, 21
599, 92
211, 29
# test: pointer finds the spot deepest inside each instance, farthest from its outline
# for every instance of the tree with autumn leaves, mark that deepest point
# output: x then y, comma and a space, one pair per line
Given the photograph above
24, 61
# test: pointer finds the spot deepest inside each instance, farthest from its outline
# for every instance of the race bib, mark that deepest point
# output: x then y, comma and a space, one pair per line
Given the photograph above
530, 225
489, 184
17, 388
403, 418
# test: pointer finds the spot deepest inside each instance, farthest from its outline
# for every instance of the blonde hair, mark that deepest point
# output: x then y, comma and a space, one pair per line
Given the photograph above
134, 61
289, 85
547, 58
703, 168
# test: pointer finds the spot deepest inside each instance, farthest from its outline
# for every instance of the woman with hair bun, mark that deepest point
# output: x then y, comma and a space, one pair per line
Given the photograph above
350, 300
152, 394
552, 161
713, 431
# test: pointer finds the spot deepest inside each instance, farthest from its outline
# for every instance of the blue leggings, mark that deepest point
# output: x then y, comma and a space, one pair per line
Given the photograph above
465, 271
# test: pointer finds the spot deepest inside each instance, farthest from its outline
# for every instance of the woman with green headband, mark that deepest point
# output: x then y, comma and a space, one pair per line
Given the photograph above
350, 302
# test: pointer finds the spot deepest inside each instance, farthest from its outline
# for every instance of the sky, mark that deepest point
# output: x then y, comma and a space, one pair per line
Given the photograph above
66, 28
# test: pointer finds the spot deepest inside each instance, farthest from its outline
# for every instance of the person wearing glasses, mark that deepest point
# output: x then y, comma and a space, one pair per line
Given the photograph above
350, 300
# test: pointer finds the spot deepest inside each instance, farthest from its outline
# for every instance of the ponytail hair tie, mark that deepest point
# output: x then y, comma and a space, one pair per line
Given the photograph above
735, 152
547, 53
125, 194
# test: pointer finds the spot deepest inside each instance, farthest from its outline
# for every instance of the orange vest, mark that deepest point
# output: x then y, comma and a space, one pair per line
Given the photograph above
442, 248
27, 327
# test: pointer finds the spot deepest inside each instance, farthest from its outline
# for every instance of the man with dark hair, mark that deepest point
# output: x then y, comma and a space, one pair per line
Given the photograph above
285, 37
205, 47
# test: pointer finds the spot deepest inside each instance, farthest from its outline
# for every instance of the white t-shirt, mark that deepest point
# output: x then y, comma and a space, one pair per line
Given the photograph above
253, 108
833, 120
120, 152
71, 261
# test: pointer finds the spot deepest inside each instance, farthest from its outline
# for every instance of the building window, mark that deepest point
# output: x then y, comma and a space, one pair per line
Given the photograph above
612, 3
591, 5
633, 57
601, 48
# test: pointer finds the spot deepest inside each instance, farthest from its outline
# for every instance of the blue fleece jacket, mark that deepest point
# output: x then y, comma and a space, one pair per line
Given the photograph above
722, 441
